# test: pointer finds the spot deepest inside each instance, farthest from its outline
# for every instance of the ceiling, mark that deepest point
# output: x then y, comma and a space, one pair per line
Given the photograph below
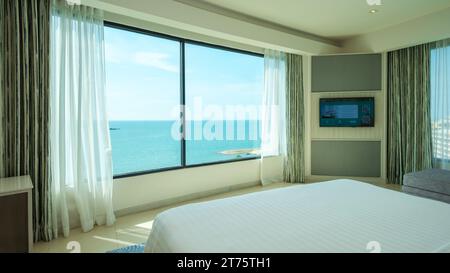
331, 19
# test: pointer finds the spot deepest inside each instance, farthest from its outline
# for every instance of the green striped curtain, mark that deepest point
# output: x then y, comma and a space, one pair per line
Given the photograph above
1, 89
25, 87
294, 163
409, 121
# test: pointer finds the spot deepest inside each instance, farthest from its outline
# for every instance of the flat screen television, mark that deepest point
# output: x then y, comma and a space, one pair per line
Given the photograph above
347, 112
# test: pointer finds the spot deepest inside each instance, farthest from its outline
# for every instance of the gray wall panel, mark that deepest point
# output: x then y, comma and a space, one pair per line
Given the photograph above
346, 73
346, 158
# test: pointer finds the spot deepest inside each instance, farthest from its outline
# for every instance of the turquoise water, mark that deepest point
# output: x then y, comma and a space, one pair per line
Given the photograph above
139, 146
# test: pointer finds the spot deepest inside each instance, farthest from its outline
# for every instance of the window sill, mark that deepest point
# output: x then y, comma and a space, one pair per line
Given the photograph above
127, 175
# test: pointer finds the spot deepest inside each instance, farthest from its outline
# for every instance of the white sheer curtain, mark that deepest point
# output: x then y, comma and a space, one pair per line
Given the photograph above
80, 153
273, 131
440, 103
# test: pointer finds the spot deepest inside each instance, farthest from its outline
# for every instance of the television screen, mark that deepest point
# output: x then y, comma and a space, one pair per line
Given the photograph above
347, 112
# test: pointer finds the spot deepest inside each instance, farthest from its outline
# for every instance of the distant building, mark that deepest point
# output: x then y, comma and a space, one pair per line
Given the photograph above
441, 138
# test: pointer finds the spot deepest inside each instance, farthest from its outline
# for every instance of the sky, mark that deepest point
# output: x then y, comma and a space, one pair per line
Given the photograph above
440, 75
143, 80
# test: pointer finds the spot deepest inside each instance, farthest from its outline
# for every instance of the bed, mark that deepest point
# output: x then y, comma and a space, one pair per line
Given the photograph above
335, 216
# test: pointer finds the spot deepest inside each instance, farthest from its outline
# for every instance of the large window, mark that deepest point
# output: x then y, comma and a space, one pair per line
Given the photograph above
143, 89
440, 103
149, 79
223, 95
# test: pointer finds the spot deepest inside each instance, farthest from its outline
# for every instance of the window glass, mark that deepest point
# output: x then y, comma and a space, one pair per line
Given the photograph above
143, 98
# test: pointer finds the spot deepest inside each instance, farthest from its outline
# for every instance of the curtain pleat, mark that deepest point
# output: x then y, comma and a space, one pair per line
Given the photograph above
24, 101
409, 122
294, 163
2, 161
273, 118
81, 156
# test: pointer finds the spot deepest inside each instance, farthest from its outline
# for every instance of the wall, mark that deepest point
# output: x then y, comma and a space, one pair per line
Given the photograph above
144, 192
373, 134
355, 72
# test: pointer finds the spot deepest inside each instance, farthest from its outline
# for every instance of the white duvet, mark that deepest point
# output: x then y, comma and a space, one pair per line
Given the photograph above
334, 216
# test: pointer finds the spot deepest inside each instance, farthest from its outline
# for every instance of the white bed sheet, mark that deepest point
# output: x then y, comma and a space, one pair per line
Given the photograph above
334, 216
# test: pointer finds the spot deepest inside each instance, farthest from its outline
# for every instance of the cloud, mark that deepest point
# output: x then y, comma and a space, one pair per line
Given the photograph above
156, 60
113, 54
244, 87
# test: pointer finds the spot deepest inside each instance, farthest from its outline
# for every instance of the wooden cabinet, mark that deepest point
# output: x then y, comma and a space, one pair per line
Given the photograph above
16, 222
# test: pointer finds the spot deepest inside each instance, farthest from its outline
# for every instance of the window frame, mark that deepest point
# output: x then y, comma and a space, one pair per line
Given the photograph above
182, 42
442, 161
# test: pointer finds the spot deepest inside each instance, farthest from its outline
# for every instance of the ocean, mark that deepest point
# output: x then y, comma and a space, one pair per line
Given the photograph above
139, 146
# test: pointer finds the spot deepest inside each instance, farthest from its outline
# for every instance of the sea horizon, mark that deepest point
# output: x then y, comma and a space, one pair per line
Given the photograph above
144, 145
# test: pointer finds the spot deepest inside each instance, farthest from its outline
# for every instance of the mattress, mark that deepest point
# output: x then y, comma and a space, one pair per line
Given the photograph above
337, 216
